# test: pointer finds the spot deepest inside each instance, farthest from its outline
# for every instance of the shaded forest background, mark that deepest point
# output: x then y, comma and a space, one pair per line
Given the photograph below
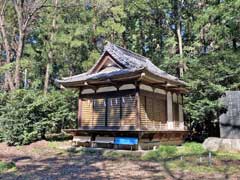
41, 40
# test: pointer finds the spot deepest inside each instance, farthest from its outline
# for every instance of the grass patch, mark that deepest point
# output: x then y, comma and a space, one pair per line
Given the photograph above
58, 137
227, 156
163, 152
191, 148
5, 167
166, 152
53, 144
83, 151
190, 157
121, 154
193, 157
192, 164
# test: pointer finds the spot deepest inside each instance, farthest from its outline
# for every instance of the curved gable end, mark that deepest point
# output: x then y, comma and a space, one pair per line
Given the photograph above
119, 64
106, 60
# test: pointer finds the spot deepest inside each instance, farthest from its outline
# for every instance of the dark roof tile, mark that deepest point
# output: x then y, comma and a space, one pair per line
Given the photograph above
130, 60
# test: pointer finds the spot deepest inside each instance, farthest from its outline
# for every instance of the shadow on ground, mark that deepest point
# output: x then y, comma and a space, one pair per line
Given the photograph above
96, 164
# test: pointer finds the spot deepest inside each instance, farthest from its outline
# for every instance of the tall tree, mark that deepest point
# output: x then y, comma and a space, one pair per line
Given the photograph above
6, 45
23, 11
50, 53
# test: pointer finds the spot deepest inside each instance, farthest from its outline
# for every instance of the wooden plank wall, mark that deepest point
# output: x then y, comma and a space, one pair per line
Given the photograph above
115, 111
113, 116
153, 110
175, 112
87, 112
99, 110
128, 111
121, 111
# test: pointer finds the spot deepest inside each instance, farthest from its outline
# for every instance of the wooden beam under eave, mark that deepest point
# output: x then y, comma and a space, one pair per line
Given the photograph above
112, 83
150, 79
156, 78
157, 85
79, 109
169, 86
138, 107
179, 89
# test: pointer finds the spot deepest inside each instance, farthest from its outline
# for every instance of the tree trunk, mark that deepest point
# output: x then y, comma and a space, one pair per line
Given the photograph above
23, 22
50, 53
47, 75
142, 37
234, 41
19, 12
180, 47
7, 49
18, 57
179, 36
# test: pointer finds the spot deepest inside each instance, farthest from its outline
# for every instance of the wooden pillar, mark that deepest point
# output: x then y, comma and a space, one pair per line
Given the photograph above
121, 106
106, 112
169, 110
79, 109
180, 108
139, 147
138, 114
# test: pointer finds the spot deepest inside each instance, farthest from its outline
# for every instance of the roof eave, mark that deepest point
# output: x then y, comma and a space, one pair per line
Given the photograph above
116, 78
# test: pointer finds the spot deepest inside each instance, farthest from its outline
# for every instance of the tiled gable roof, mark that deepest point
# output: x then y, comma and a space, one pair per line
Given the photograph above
131, 62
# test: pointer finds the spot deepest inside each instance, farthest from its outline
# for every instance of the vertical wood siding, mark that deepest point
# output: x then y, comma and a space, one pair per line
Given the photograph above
113, 114
99, 110
87, 111
153, 110
117, 111
128, 111
175, 112
121, 111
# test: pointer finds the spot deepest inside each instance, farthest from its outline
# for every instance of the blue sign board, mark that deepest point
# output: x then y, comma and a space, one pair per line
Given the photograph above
126, 140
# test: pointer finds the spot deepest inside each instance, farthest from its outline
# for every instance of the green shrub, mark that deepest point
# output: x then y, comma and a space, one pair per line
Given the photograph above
6, 166
27, 115
192, 148
162, 152
58, 137
131, 155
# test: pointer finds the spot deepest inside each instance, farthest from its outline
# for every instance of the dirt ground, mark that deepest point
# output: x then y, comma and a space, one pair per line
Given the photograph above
50, 161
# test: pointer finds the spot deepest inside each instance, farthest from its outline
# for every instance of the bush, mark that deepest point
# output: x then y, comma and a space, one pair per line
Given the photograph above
162, 152
27, 115
193, 148
4, 166
58, 137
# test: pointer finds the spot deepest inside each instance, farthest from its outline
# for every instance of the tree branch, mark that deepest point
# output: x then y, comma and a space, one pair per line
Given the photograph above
29, 18
3, 7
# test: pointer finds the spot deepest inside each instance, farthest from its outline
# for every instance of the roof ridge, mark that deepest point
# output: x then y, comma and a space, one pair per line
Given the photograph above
129, 51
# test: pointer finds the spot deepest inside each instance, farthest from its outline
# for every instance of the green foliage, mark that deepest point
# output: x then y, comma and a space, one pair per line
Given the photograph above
129, 155
192, 157
191, 148
58, 137
210, 32
216, 74
166, 151
162, 152
4, 166
26, 115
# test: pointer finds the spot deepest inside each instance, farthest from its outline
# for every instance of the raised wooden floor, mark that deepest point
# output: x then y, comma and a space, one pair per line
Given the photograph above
144, 136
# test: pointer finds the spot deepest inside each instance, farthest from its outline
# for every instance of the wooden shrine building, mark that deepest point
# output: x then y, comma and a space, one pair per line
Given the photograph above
125, 95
